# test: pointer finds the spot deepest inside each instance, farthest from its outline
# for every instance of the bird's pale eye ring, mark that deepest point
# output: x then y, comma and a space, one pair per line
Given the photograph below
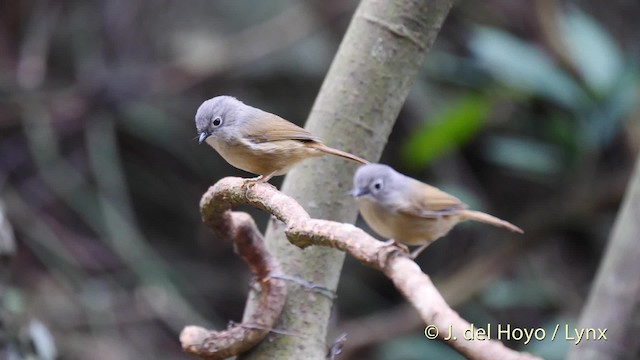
377, 185
217, 121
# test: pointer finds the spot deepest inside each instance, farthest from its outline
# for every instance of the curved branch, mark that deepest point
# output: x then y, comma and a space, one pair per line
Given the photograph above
239, 338
303, 231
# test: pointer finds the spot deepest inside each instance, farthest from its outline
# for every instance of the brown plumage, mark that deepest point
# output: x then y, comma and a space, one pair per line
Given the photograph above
409, 211
257, 141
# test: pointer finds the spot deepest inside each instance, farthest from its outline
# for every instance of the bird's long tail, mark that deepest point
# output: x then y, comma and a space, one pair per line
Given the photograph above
489, 219
328, 150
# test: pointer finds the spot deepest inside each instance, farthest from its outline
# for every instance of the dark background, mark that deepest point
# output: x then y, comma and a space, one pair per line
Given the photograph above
524, 109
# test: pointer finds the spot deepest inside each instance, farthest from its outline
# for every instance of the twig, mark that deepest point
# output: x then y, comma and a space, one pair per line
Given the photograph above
31, 68
7, 249
242, 337
7, 240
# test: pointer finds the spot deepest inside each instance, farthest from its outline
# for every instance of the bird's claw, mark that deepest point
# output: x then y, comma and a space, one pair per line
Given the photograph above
393, 243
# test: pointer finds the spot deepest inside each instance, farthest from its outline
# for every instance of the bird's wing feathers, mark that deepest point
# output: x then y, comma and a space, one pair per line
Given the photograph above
276, 129
428, 201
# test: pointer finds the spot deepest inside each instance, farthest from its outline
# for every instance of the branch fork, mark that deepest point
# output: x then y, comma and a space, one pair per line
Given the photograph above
303, 231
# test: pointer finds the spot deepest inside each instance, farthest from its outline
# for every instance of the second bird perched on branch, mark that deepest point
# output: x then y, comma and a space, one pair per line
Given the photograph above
409, 211
256, 141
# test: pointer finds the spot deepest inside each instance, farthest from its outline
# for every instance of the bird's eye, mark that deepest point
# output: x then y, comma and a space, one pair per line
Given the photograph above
217, 121
377, 185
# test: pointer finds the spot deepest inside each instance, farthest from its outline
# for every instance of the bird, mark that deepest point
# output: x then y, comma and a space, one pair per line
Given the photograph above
257, 141
409, 211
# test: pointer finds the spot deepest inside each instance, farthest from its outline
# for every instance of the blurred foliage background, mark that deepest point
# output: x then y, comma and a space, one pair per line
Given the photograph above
525, 109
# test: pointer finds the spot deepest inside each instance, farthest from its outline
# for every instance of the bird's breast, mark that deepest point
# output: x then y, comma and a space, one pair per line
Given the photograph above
262, 158
407, 229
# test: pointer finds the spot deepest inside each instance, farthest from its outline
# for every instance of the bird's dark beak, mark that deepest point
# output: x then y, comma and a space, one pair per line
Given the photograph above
203, 136
356, 193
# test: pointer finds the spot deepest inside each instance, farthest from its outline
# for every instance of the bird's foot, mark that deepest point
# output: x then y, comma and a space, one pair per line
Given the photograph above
247, 183
390, 248
393, 243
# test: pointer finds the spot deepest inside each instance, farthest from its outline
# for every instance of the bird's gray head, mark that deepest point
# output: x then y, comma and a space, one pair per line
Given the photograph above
220, 112
377, 182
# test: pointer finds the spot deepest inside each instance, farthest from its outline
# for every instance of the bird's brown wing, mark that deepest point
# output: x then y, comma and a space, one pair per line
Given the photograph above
428, 201
268, 127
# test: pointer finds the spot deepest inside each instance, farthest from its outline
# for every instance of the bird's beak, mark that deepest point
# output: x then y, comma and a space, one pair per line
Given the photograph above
356, 193
203, 136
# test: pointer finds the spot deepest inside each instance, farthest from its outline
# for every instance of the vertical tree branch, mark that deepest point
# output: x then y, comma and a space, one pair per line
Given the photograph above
368, 82
614, 302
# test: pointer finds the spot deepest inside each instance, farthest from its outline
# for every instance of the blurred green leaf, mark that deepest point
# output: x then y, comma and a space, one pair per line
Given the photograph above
524, 155
446, 131
561, 130
12, 300
602, 122
442, 66
522, 66
594, 53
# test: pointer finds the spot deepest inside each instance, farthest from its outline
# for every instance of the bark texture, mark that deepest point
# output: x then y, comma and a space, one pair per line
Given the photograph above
369, 80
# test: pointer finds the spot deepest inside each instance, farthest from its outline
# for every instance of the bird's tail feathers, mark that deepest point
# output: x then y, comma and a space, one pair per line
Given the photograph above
328, 150
489, 219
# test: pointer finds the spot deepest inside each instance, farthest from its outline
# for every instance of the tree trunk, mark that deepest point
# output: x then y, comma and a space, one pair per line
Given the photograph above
369, 80
614, 302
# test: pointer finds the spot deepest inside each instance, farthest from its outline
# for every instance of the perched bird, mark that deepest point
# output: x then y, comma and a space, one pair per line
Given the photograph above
408, 211
256, 141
